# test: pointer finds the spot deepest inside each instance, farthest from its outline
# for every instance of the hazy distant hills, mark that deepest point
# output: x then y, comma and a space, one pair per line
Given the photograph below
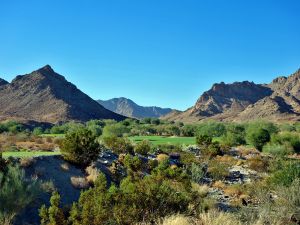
129, 108
46, 96
243, 101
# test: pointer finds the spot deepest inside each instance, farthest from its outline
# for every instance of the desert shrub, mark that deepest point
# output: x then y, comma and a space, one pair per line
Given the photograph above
118, 145
281, 206
234, 136
213, 149
188, 130
217, 218
143, 147
27, 162
290, 138
203, 140
80, 146
257, 137
117, 129
79, 182
279, 150
132, 163
213, 129
37, 131
258, 163
197, 172
16, 192
286, 175
176, 220
218, 170
53, 215
144, 199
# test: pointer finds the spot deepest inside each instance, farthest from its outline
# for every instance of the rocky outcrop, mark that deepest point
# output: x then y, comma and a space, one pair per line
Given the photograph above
242, 101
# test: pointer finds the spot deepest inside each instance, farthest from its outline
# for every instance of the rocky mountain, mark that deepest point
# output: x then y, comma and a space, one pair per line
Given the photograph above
46, 96
129, 108
242, 101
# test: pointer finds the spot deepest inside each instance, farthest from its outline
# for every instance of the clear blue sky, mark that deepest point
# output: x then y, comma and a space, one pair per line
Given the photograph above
156, 52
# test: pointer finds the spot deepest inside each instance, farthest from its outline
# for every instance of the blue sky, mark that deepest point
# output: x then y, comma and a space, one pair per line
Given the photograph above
158, 52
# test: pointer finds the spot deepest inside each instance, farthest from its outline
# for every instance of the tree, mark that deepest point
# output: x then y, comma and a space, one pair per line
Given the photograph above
142, 147
118, 144
37, 131
258, 137
16, 192
54, 214
234, 136
80, 146
203, 140
117, 129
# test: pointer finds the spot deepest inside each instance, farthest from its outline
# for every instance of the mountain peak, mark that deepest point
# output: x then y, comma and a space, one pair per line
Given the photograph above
46, 69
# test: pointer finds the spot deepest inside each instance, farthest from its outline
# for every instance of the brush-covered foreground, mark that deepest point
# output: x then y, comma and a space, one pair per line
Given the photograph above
150, 172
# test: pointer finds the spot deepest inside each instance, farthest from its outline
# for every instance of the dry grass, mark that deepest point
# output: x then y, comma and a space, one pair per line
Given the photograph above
177, 220
65, 166
217, 218
259, 164
219, 184
93, 174
26, 162
79, 182
162, 157
202, 190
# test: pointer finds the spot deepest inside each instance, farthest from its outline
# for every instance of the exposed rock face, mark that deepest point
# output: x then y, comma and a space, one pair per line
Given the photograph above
129, 108
46, 96
242, 101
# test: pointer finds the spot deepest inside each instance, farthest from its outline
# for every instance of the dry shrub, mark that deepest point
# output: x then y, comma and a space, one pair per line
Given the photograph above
162, 157
233, 190
79, 182
214, 217
93, 174
177, 220
27, 162
49, 139
227, 159
202, 190
219, 184
39, 141
65, 166
258, 163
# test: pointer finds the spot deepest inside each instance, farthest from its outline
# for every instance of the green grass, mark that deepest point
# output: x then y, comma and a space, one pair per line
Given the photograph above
157, 140
27, 154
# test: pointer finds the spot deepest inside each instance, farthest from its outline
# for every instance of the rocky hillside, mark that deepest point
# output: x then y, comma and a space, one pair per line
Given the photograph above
242, 101
129, 108
46, 96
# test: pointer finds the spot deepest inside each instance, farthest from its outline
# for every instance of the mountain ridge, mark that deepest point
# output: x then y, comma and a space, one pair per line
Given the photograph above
243, 101
129, 108
46, 96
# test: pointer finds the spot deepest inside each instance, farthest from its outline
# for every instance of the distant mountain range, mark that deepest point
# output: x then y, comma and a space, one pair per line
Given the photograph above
244, 101
46, 96
127, 107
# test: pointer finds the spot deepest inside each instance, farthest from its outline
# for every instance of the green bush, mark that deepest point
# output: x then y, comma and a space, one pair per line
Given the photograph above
234, 136
258, 137
134, 201
118, 144
290, 138
278, 149
80, 146
286, 175
16, 192
143, 147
